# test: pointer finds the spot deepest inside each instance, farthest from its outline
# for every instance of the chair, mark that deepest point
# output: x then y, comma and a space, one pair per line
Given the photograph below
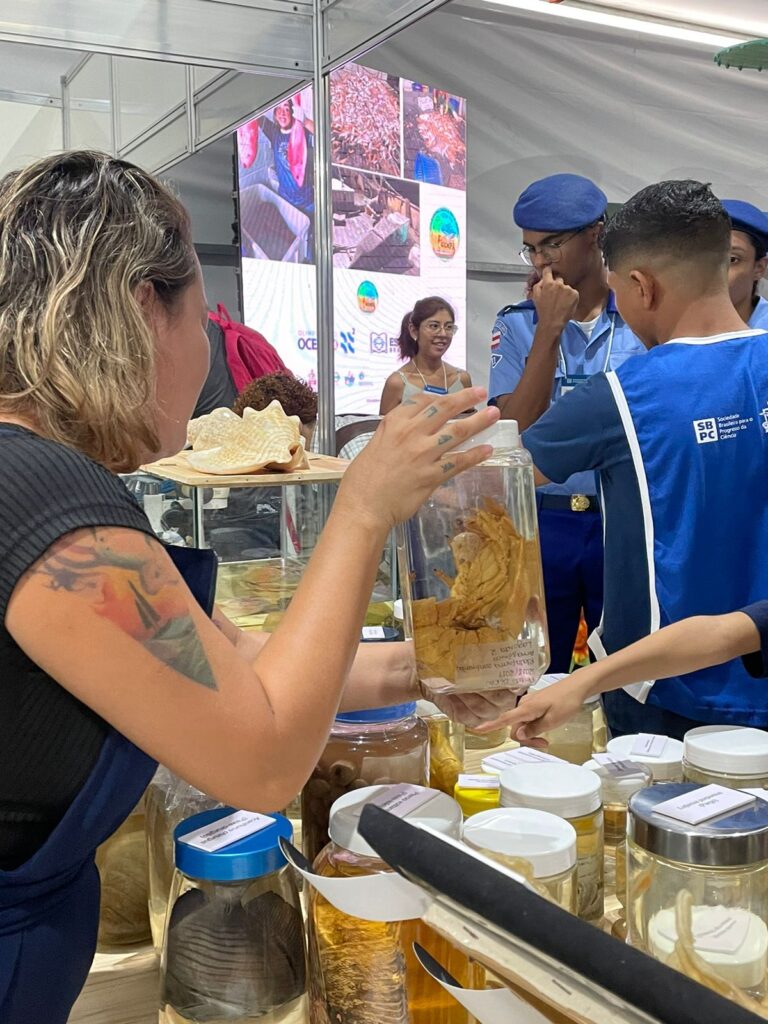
350, 431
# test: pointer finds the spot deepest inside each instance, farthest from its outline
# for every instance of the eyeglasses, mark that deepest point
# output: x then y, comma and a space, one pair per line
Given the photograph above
550, 251
435, 328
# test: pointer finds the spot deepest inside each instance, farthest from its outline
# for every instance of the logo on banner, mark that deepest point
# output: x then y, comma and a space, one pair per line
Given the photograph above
368, 297
706, 431
379, 343
307, 343
347, 344
444, 234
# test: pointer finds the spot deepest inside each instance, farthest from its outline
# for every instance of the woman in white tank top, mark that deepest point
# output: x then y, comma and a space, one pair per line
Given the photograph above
425, 336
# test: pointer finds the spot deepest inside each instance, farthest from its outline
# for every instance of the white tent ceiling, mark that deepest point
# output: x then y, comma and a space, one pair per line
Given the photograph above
747, 17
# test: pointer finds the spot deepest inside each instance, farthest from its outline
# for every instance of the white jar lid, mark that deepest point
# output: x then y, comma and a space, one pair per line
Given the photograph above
504, 434
567, 790
620, 786
545, 841
743, 962
438, 810
727, 749
666, 767
555, 677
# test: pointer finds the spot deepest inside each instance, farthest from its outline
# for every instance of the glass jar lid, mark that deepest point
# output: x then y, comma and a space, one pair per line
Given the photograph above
374, 715
502, 435
546, 842
619, 786
665, 767
429, 807
727, 749
735, 839
567, 790
253, 856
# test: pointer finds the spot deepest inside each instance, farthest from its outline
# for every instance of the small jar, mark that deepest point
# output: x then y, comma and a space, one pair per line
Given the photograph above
542, 843
573, 793
715, 875
446, 747
667, 766
486, 740
364, 748
168, 801
618, 782
726, 755
577, 739
234, 946
122, 864
356, 963
476, 793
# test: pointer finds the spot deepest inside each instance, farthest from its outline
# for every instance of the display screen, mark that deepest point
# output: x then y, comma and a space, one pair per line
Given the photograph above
399, 224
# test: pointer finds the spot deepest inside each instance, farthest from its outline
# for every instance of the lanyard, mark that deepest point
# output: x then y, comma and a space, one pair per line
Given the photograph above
609, 349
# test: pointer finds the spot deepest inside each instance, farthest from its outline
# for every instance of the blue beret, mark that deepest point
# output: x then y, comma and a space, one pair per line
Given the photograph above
561, 202
746, 217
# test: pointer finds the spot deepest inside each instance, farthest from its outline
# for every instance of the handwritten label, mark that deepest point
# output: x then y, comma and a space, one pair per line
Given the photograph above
373, 633
715, 929
619, 767
649, 745
479, 782
502, 666
704, 804
403, 799
227, 830
523, 755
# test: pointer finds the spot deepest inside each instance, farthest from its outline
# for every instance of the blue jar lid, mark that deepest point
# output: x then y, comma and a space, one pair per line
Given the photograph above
378, 714
256, 855
379, 635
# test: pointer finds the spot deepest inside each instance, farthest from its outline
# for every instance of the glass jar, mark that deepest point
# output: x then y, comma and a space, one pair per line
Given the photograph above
476, 793
726, 755
474, 740
168, 801
666, 766
536, 840
366, 971
471, 575
122, 864
364, 748
573, 793
234, 946
714, 875
619, 780
446, 747
577, 739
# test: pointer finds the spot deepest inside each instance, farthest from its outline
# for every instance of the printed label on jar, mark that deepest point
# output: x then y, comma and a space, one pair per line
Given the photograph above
403, 799
496, 666
589, 873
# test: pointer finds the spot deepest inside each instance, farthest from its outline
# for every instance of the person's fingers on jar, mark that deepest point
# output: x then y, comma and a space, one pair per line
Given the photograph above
458, 462
478, 705
437, 414
502, 700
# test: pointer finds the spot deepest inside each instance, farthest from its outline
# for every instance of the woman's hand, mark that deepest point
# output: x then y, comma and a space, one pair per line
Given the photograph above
474, 709
410, 454
544, 710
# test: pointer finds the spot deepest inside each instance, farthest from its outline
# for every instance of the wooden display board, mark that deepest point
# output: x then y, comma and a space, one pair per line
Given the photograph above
322, 469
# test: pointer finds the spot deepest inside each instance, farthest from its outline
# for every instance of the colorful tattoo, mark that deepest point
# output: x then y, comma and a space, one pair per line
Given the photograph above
135, 589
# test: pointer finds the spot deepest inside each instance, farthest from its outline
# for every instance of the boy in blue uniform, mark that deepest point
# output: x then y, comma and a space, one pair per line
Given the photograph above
543, 348
680, 442
749, 244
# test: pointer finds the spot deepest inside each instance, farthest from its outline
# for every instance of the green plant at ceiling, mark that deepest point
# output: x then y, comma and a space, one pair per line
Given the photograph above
753, 54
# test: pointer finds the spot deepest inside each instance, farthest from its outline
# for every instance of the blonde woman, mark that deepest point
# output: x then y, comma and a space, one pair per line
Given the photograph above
107, 663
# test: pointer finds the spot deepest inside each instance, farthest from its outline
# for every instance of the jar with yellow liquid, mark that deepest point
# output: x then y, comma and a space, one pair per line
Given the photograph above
619, 780
726, 755
573, 793
576, 739
366, 971
536, 844
446, 746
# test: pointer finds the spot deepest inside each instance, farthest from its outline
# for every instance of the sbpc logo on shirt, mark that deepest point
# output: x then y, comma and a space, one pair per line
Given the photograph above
706, 431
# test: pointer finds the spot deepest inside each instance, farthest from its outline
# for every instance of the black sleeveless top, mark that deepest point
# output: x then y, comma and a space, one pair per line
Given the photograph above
49, 740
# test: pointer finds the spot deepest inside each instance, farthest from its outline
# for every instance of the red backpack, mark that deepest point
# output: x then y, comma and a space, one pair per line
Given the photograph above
249, 354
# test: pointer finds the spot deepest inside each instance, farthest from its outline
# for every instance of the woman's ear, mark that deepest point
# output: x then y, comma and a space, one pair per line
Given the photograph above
146, 296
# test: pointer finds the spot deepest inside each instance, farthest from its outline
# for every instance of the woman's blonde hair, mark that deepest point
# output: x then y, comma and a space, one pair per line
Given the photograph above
78, 233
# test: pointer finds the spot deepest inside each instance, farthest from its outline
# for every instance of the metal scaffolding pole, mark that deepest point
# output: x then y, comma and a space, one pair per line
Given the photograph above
323, 241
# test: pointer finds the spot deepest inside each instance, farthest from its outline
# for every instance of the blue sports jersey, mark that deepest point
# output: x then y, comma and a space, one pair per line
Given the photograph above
759, 316
609, 346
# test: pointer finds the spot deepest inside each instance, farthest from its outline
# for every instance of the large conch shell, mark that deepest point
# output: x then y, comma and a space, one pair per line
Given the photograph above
224, 444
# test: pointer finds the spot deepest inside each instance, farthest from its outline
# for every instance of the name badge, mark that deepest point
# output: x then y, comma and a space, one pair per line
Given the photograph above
571, 381
431, 389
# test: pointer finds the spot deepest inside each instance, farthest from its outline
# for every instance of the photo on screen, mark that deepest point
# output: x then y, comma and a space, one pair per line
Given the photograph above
375, 223
366, 127
434, 136
276, 182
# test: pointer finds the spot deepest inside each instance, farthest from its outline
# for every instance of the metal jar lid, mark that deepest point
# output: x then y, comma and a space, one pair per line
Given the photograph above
735, 839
